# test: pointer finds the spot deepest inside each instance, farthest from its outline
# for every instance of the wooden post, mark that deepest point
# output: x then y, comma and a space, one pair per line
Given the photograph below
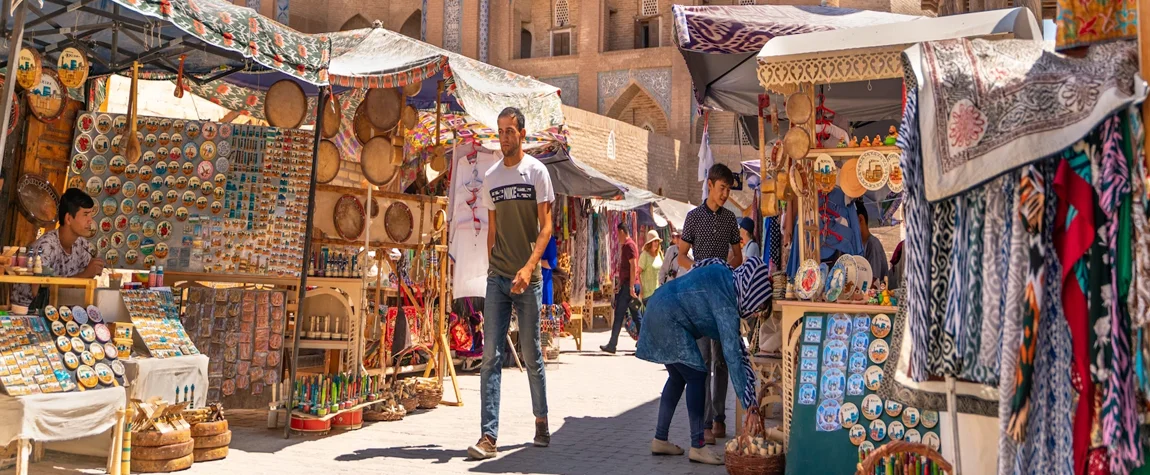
14, 43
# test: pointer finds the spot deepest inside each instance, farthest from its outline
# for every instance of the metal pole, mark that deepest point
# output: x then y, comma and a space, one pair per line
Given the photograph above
10, 84
323, 95
952, 408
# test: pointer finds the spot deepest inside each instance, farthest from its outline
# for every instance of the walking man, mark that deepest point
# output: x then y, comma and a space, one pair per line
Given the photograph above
628, 274
712, 232
518, 194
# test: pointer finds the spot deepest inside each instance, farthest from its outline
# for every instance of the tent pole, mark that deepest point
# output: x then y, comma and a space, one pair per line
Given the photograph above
10, 84
952, 408
306, 268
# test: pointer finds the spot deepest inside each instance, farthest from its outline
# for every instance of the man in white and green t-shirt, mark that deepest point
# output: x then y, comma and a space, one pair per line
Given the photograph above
518, 195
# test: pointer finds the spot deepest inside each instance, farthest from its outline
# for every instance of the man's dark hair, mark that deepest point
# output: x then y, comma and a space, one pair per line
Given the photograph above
721, 174
514, 113
73, 201
623, 227
860, 208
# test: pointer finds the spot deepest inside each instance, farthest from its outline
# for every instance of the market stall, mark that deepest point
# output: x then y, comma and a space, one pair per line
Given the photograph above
841, 341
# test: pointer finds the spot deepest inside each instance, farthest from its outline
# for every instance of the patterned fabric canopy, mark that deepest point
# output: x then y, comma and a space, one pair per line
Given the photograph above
378, 57
244, 31
746, 28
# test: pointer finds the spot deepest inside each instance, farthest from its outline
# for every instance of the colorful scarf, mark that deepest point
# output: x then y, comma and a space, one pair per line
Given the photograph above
1032, 205
918, 235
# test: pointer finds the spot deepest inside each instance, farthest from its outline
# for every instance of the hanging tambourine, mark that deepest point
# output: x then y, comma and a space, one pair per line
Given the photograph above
72, 68
894, 178
46, 100
29, 68
872, 170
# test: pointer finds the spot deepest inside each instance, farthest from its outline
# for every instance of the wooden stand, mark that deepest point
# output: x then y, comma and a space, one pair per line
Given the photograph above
54, 284
441, 351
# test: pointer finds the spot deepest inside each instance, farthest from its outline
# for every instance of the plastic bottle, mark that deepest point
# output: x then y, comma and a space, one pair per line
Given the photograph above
22, 257
160, 276
152, 277
38, 266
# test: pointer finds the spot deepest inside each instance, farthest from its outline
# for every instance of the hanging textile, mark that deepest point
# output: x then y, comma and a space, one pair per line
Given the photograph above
1119, 409
1048, 448
579, 262
918, 233
1032, 209
995, 256
1011, 328
1082, 23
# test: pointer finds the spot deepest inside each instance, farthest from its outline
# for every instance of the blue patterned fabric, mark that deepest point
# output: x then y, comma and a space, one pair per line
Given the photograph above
702, 303
918, 234
1048, 447
839, 226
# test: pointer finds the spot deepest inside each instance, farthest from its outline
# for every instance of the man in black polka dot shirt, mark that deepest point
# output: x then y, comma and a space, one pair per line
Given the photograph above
712, 231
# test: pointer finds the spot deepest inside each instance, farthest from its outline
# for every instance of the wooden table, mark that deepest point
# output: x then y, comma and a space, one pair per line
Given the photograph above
54, 284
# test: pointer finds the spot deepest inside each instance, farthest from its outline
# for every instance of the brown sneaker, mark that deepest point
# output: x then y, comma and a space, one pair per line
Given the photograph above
720, 430
542, 435
484, 449
708, 437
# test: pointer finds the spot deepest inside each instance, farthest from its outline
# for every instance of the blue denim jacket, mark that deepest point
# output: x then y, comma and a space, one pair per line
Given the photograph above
700, 304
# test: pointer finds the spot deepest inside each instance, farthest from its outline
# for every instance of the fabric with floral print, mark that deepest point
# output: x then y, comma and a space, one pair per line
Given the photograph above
245, 31
1082, 23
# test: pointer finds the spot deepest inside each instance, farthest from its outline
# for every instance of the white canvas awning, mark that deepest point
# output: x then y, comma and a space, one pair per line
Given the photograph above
1017, 23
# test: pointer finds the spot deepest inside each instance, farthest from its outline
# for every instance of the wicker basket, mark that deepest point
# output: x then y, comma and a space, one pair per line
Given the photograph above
867, 466
384, 416
430, 399
410, 403
740, 464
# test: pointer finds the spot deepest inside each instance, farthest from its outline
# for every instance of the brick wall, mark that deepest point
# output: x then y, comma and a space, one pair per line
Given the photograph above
643, 111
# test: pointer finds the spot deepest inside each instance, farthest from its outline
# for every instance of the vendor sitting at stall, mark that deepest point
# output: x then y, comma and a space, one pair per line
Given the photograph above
707, 302
65, 251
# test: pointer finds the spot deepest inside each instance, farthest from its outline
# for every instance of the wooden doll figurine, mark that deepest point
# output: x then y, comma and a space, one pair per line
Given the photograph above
854, 141
866, 142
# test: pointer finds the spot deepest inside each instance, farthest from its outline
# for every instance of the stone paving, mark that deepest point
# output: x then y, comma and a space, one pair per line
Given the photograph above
602, 413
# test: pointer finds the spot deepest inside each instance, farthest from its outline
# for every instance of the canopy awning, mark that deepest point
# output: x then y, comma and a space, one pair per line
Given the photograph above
377, 57
719, 44
667, 210
571, 177
216, 37
1018, 23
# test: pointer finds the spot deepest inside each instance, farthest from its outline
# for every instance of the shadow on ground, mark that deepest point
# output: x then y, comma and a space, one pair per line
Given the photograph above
583, 445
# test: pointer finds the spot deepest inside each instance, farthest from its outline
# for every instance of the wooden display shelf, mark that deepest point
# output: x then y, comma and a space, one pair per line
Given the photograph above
89, 285
320, 344
831, 307
852, 151
376, 244
330, 416
172, 277
436, 200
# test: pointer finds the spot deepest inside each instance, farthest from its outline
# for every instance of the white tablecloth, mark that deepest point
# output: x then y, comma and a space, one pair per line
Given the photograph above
61, 416
162, 377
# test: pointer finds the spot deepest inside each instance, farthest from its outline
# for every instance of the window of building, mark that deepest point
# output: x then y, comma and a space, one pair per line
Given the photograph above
561, 43
649, 8
562, 13
647, 33
525, 43
649, 128
747, 2
611, 145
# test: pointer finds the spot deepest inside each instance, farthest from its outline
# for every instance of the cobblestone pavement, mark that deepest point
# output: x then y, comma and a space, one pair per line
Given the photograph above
602, 413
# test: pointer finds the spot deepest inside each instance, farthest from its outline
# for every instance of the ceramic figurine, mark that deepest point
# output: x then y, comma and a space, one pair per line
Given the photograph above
854, 141
892, 137
876, 141
842, 143
866, 142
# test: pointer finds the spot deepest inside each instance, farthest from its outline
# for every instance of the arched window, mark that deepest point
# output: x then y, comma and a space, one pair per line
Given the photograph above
747, 2
413, 27
611, 145
562, 13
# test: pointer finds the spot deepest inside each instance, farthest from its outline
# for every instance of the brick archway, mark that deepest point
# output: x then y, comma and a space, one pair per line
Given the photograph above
413, 26
638, 107
355, 22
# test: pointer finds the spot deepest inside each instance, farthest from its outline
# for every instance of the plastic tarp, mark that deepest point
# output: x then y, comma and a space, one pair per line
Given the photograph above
668, 211
377, 57
213, 34
719, 44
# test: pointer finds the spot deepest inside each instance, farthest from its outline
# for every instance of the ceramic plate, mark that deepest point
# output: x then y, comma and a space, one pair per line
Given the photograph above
894, 176
912, 436
872, 407
877, 430
880, 326
895, 430
873, 377
808, 280
879, 351
932, 441
929, 419
872, 170
893, 408
857, 434
849, 415
836, 282
911, 417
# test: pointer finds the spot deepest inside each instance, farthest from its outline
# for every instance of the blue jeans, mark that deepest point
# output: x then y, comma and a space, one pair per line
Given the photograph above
679, 376
496, 322
622, 304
